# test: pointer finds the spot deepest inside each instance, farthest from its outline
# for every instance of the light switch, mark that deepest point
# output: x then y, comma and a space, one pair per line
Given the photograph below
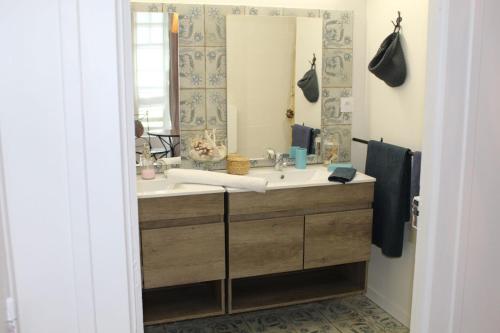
346, 104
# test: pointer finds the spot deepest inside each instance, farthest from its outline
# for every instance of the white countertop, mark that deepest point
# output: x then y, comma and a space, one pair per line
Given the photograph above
313, 175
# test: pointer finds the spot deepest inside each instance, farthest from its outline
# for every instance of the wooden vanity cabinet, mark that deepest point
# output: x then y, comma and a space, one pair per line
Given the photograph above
291, 246
266, 246
183, 257
337, 238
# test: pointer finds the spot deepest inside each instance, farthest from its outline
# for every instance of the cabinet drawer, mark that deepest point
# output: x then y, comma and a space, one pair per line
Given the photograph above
181, 255
337, 238
268, 246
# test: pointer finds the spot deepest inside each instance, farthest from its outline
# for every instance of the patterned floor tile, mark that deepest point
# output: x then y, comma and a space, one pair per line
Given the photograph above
272, 321
306, 319
336, 310
348, 315
190, 326
358, 325
227, 324
387, 323
363, 305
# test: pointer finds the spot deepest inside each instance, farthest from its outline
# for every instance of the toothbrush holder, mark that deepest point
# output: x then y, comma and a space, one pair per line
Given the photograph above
300, 158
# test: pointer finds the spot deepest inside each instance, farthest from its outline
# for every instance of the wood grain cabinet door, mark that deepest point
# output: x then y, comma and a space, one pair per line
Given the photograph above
260, 247
337, 238
182, 255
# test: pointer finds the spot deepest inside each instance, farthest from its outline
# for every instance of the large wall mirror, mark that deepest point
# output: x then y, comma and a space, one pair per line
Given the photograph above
266, 56
155, 48
217, 79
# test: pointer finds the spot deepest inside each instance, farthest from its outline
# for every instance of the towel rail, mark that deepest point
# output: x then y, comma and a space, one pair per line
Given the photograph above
366, 142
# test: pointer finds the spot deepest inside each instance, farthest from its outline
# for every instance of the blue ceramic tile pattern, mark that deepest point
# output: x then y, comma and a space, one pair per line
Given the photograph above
337, 28
332, 114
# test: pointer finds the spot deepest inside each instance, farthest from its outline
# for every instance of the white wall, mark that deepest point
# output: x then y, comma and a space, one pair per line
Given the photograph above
396, 114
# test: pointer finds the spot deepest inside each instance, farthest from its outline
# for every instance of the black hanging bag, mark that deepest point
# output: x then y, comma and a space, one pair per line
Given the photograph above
309, 83
389, 63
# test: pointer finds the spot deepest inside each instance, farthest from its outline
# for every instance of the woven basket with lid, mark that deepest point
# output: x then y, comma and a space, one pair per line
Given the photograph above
237, 164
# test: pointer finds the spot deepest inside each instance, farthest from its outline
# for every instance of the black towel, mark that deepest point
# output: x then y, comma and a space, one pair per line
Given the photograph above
343, 175
391, 166
415, 174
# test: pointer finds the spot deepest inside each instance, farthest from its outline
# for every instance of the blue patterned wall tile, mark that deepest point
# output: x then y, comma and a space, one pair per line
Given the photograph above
337, 28
337, 68
300, 12
216, 109
331, 112
192, 67
215, 23
192, 109
264, 11
191, 23
215, 67
342, 135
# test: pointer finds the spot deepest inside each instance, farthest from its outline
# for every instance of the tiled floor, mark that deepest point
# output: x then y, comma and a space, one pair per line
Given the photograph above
347, 315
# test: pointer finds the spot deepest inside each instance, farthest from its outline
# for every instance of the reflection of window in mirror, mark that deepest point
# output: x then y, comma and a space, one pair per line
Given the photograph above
156, 79
151, 64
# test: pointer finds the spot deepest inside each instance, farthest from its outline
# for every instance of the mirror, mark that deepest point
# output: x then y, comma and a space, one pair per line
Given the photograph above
155, 47
266, 56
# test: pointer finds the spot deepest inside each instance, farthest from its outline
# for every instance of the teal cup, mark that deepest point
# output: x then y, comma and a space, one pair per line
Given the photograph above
293, 150
300, 158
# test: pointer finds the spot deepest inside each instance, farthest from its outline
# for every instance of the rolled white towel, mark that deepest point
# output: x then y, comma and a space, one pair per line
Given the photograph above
188, 176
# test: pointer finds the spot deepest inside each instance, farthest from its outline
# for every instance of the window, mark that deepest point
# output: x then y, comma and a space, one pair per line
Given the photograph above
151, 65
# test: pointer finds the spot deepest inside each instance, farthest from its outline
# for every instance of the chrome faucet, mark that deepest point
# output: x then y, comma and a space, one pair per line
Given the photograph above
280, 160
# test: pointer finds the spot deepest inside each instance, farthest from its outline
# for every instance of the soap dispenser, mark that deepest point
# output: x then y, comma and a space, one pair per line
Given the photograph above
147, 165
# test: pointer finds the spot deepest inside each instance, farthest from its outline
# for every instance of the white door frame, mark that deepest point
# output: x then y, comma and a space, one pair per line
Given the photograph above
453, 47
447, 141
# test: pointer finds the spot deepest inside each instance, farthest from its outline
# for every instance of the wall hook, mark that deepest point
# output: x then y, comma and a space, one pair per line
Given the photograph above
397, 25
313, 62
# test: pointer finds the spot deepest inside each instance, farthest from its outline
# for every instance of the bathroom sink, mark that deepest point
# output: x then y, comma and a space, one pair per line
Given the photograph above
159, 187
313, 175
285, 176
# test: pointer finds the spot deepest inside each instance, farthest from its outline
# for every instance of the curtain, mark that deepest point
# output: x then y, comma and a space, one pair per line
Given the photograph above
174, 78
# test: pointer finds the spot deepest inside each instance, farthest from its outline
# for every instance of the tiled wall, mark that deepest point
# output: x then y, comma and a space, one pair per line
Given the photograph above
202, 53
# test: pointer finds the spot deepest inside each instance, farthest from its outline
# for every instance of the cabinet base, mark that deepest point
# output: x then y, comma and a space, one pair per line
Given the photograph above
183, 302
264, 292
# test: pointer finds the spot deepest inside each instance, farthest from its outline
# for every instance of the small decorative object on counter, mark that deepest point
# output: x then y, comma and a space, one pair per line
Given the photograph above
237, 164
331, 154
207, 149
147, 165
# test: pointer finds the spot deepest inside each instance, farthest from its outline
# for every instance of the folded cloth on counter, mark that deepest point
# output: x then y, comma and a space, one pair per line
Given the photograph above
333, 166
391, 166
302, 136
343, 175
188, 176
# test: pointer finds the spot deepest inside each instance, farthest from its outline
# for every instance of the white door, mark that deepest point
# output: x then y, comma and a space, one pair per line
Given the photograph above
6, 290
457, 265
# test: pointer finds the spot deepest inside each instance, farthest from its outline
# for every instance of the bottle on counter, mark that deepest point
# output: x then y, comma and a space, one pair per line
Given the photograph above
147, 164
